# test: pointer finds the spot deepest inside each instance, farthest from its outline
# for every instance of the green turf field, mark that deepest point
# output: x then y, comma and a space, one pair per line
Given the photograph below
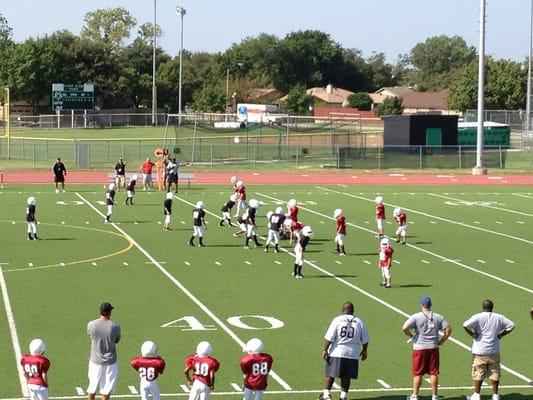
465, 244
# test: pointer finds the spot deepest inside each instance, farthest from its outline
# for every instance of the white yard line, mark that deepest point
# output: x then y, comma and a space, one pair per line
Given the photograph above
522, 195
13, 332
186, 291
450, 221
384, 384
379, 300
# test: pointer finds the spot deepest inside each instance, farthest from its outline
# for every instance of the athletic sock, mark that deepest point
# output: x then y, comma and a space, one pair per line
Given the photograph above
343, 395
255, 240
276, 247
295, 269
299, 270
247, 241
326, 394
201, 239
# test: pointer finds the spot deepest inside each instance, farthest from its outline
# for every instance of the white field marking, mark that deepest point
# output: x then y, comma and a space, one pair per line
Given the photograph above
247, 262
321, 222
520, 222
278, 262
481, 261
338, 262
135, 223
182, 222
236, 387
367, 262
132, 389
13, 332
432, 222
336, 386
388, 305
499, 222
80, 391
13, 222
483, 205
160, 262
186, 291
522, 195
435, 217
396, 262
509, 261
283, 392
187, 263
62, 264
30, 264
477, 222
125, 264
383, 383
62, 222
344, 186
425, 261
159, 222
94, 264
218, 263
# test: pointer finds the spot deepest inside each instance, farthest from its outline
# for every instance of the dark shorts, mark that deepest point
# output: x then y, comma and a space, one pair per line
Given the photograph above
59, 178
172, 178
337, 367
425, 362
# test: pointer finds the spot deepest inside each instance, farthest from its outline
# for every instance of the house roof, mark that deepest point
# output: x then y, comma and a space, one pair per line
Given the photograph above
426, 100
389, 91
336, 95
265, 93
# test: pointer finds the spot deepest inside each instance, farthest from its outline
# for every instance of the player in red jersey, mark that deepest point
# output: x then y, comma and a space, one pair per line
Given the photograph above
294, 228
241, 197
340, 234
149, 366
203, 367
255, 366
36, 367
292, 207
385, 262
401, 223
380, 215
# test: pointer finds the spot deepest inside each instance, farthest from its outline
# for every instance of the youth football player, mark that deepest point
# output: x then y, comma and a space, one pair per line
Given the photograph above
31, 220
110, 202
241, 197
167, 210
149, 366
255, 367
226, 210
250, 224
380, 215
401, 225
130, 190
35, 367
299, 250
199, 224
341, 231
385, 262
203, 368
275, 222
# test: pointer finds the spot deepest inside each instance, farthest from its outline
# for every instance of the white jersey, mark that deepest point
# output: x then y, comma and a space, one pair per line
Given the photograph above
347, 334
487, 326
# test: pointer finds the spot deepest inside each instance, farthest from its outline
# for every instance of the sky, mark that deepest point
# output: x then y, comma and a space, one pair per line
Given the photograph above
389, 26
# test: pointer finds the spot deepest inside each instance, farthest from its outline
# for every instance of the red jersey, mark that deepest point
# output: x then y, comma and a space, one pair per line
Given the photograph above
241, 193
401, 219
296, 226
148, 368
146, 167
341, 225
256, 367
202, 366
34, 367
380, 211
385, 257
293, 213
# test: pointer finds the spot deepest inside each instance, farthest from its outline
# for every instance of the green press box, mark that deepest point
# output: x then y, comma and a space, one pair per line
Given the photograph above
495, 134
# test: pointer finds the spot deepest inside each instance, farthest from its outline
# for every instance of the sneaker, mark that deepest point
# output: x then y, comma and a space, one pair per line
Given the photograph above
201, 245
388, 286
321, 397
64, 191
246, 247
473, 396
300, 276
57, 190
412, 397
221, 223
235, 235
276, 251
190, 243
435, 397
495, 397
342, 254
294, 274
266, 250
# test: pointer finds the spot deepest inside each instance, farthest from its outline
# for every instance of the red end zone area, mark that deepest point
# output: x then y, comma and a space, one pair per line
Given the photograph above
297, 178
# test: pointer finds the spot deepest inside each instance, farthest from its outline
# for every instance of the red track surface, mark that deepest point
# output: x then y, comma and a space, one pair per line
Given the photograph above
298, 178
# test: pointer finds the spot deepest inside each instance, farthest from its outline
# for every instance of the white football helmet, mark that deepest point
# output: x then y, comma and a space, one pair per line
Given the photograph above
170, 196
37, 347
396, 211
134, 177
379, 200
233, 179
200, 204
384, 243
254, 346
292, 203
337, 213
111, 186
148, 349
233, 197
307, 231
31, 200
204, 349
279, 210
269, 214
239, 184
253, 203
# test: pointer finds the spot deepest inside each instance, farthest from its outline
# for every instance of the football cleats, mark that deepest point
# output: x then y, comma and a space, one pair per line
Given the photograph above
337, 213
204, 349
279, 210
239, 184
233, 198
170, 196
269, 214
379, 200
148, 349
396, 211
253, 203
292, 203
31, 200
111, 186
384, 243
307, 231
254, 346
134, 177
37, 347
200, 204
233, 179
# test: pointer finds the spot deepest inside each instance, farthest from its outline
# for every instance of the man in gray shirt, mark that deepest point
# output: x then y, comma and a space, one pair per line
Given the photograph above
487, 328
103, 370
423, 330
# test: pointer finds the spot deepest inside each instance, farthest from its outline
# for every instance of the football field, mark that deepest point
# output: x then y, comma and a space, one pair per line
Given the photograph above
465, 244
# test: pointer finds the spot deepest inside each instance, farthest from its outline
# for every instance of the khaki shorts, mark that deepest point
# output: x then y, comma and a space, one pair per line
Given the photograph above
486, 367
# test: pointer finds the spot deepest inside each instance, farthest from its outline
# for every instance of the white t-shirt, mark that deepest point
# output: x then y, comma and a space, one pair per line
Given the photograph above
487, 326
347, 334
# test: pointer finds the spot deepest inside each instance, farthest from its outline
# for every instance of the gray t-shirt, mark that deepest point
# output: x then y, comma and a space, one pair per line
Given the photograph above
487, 326
104, 335
427, 325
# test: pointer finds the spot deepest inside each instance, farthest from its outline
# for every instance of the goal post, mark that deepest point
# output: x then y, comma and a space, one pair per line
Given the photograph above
5, 104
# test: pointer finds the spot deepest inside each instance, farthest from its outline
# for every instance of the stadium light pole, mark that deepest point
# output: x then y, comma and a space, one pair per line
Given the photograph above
154, 89
181, 12
479, 169
528, 98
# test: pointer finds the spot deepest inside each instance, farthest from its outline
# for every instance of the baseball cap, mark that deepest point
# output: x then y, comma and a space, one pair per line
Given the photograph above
105, 308
425, 301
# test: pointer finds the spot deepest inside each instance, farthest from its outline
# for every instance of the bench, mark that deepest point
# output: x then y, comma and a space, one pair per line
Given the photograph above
182, 176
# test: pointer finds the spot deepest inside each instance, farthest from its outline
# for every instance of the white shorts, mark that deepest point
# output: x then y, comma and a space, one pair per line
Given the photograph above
242, 227
32, 227
148, 388
147, 179
273, 236
109, 209
37, 392
385, 272
379, 223
299, 252
198, 231
339, 239
130, 193
402, 230
102, 377
167, 219
199, 391
250, 230
226, 215
249, 394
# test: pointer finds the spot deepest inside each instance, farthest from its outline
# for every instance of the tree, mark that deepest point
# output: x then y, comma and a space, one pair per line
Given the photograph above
110, 26
505, 86
210, 98
381, 73
361, 101
146, 32
6, 33
390, 106
298, 101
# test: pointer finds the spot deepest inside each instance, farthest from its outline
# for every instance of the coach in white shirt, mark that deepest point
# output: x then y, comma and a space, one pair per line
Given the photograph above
487, 328
346, 341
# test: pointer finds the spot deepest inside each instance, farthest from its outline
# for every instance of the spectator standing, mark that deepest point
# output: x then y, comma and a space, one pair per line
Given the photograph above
146, 169
60, 172
120, 174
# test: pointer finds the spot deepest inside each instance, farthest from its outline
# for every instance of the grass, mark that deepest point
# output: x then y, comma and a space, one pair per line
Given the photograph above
465, 244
